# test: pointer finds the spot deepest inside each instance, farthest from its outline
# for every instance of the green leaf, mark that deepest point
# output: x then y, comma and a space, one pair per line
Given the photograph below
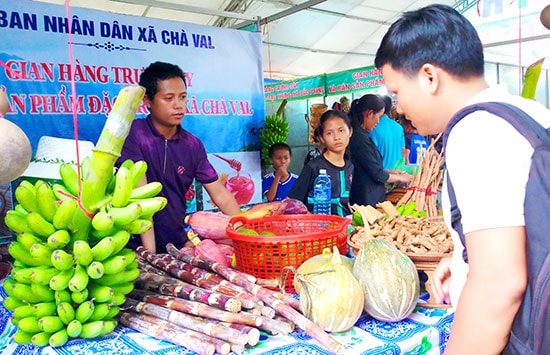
531, 79
357, 220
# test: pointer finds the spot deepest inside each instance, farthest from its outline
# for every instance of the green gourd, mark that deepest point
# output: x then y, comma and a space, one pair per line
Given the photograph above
330, 296
389, 280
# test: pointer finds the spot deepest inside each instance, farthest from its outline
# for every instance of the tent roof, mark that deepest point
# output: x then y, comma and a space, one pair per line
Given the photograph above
310, 37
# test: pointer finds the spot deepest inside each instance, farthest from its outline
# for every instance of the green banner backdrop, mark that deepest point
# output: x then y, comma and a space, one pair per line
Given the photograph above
360, 79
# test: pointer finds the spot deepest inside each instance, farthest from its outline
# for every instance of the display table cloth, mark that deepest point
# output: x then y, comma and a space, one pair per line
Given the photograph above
426, 331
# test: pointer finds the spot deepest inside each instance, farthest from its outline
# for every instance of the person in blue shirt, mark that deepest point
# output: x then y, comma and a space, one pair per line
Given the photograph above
277, 184
415, 144
388, 137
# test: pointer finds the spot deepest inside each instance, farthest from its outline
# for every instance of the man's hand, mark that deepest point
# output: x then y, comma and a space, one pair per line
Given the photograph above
441, 281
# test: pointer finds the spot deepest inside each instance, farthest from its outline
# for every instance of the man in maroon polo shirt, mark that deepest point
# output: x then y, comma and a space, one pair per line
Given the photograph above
174, 156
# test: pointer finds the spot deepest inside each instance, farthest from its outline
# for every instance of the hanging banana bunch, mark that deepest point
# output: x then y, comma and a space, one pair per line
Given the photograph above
275, 130
72, 269
61, 288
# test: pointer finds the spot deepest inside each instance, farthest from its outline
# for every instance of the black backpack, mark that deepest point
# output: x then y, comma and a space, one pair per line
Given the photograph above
531, 328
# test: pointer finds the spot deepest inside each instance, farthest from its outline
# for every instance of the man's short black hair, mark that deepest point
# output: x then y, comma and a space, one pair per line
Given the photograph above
158, 71
435, 34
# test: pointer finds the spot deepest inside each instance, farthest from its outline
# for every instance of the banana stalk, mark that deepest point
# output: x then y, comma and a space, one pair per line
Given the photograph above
104, 156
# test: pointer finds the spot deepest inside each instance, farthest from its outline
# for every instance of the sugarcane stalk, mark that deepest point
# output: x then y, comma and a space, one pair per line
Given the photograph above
156, 283
202, 273
174, 268
195, 308
163, 330
166, 278
148, 268
275, 326
188, 321
272, 299
207, 264
266, 311
230, 275
252, 332
261, 310
269, 283
284, 320
237, 348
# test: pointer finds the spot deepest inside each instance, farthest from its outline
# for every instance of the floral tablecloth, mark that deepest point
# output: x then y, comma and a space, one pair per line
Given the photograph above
425, 331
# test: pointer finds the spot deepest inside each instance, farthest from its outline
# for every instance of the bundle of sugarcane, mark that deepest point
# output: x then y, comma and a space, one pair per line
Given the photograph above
208, 273
170, 286
422, 191
165, 301
208, 281
283, 304
229, 274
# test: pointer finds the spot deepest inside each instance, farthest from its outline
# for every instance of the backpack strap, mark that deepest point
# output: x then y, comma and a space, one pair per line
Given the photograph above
533, 131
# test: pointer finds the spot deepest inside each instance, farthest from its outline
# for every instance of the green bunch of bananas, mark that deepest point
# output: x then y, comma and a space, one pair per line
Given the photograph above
275, 130
62, 287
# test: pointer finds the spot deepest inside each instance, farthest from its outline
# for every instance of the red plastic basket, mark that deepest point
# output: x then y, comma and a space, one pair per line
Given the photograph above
296, 238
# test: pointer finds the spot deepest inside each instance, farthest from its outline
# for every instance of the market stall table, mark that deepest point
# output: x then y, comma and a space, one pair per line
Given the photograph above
426, 331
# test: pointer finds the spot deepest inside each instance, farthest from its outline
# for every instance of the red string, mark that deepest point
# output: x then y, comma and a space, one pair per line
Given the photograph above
73, 93
427, 191
77, 199
74, 108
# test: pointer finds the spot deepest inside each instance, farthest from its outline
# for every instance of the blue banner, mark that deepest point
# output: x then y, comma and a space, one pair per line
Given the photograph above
223, 69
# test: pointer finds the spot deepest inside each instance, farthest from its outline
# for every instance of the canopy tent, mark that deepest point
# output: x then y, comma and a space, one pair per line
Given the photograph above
309, 37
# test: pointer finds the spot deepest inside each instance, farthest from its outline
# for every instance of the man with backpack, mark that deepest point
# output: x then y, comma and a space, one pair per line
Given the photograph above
432, 60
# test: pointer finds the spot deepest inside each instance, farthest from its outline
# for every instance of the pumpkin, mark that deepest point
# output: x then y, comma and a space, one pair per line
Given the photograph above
330, 296
389, 281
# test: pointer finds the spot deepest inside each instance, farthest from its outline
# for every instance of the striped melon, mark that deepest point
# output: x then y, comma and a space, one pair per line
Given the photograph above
389, 280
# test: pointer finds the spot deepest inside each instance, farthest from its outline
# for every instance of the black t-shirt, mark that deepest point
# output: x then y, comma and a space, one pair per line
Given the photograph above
369, 179
340, 178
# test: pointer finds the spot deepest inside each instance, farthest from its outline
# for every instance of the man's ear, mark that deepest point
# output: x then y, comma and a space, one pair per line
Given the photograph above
429, 78
148, 103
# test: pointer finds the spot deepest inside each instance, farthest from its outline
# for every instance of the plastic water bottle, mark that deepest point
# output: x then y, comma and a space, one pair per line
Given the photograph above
322, 193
